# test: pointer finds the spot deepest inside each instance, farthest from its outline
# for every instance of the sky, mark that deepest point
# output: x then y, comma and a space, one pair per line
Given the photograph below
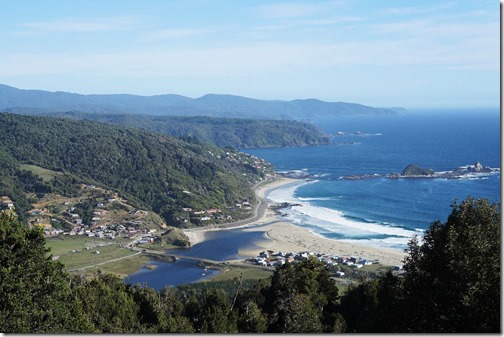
413, 54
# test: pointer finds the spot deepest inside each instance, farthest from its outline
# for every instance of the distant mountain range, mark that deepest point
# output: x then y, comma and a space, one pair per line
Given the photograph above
43, 102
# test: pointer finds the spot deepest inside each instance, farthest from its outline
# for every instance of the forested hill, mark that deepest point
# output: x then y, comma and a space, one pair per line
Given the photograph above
154, 171
233, 132
43, 102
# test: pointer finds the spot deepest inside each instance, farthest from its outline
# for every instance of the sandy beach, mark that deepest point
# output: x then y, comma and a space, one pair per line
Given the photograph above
281, 235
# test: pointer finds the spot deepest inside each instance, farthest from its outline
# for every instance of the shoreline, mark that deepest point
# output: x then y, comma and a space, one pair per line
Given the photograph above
281, 235
197, 235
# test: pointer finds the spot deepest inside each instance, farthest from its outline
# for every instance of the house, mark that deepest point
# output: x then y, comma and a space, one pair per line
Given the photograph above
340, 274
264, 254
213, 210
354, 259
205, 218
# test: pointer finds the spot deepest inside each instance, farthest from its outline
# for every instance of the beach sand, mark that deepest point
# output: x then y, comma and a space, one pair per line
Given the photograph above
281, 235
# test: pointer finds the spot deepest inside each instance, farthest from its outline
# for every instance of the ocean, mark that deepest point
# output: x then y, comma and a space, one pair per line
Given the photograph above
379, 211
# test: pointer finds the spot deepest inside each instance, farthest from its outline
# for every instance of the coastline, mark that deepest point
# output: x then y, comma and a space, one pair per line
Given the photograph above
280, 234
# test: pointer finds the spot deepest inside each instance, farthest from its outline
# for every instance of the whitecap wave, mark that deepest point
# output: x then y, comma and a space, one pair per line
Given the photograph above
324, 221
335, 220
316, 199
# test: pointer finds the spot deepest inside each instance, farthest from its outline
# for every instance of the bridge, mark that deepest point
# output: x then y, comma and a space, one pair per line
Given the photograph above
177, 256
204, 260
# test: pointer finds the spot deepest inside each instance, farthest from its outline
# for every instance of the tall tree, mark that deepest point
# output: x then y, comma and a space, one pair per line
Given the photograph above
35, 291
303, 289
453, 278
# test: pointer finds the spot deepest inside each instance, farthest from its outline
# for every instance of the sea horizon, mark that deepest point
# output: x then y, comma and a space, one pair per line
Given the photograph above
383, 212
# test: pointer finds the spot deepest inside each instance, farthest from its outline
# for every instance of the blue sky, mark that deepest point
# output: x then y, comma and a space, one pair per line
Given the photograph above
415, 54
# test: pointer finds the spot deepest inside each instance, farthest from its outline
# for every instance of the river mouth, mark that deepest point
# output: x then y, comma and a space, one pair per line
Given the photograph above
219, 246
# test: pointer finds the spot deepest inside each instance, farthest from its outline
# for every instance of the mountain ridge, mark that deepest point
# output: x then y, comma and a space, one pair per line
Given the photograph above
217, 105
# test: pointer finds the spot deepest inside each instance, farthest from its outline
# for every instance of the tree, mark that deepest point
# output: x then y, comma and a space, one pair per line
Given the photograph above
302, 291
109, 304
216, 314
371, 307
174, 310
453, 278
35, 291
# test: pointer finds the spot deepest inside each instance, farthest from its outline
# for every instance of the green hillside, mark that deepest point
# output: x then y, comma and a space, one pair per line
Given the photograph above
153, 171
233, 132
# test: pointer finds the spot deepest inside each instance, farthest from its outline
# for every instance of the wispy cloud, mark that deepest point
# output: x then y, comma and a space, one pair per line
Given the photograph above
175, 33
289, 10
257, 58
78, 25
415, 10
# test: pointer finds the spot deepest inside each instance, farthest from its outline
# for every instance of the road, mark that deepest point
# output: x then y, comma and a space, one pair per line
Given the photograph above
104, 262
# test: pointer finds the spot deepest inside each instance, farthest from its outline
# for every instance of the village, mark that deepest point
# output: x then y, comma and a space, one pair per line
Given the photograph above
339, 265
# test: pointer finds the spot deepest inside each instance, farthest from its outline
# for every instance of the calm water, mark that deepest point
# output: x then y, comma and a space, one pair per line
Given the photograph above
170, 274
219, 246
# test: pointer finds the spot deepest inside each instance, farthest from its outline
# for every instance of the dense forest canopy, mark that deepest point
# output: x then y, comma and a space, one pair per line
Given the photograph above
154, 171
452, 284
233, 132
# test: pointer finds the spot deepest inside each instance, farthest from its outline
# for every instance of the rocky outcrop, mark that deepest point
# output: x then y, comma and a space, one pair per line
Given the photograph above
414, 170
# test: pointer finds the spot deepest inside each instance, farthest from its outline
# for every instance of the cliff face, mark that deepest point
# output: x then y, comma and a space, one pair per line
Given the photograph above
414, 170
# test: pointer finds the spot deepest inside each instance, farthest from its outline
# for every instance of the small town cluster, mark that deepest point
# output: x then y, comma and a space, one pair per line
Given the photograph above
199, 216
271, 259
70, 223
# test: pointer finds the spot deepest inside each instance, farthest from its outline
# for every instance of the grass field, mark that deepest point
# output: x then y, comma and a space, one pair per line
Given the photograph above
123, 267
45, 174
64, 244
74, 255
248, 274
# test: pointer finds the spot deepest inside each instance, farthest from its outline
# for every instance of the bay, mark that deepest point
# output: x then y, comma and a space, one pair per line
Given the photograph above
379, 212
388, 212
